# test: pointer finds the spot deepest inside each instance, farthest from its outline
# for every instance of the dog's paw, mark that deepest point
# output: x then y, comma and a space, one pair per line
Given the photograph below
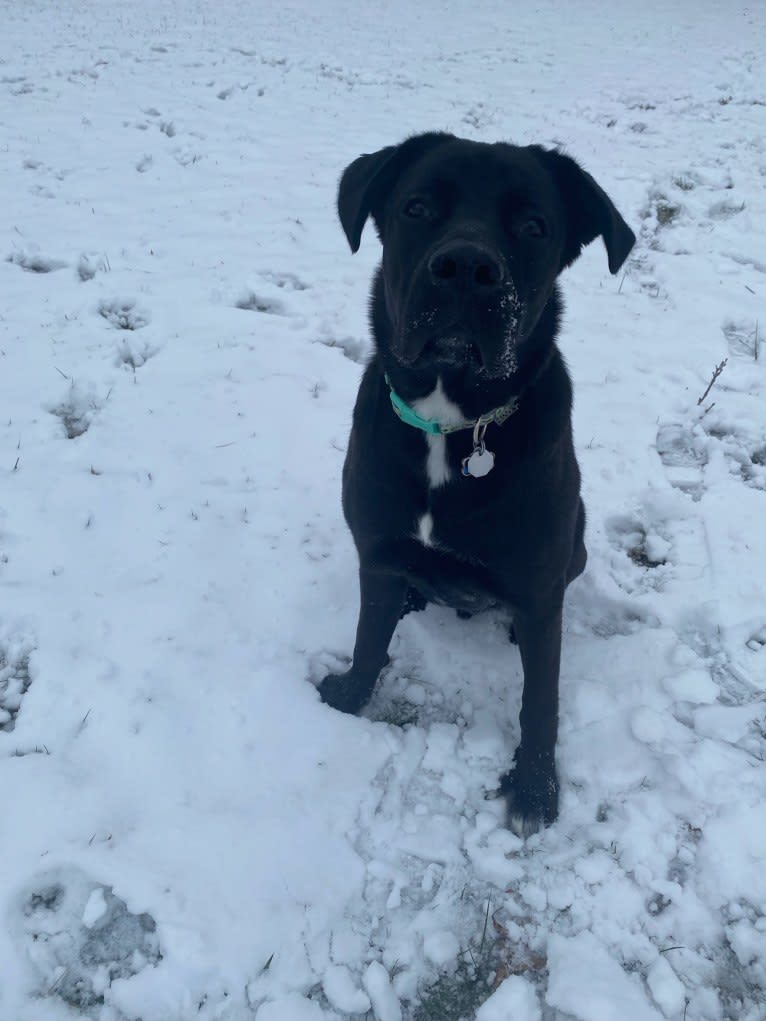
348, 693
531, 798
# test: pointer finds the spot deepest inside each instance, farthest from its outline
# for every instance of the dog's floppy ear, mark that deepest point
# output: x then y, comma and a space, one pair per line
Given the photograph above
590, 212
367, 182
357, 189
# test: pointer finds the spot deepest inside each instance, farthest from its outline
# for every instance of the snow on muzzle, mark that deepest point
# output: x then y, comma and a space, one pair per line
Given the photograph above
481, 334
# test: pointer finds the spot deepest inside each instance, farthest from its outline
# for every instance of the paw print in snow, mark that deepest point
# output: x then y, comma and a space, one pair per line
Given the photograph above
724, 210
644, 547
123, 314
251, 302
89, 264
287, 281
133, 353
34, 262
185, 156
77, 410
15, 678
79, 937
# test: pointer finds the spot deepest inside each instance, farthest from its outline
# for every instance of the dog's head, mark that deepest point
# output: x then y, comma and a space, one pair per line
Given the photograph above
474, 236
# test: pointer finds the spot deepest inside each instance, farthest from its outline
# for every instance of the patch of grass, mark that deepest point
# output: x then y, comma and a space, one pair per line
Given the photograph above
684, 183
638, 548
480, 969
739, 986
456, 996
399, 713
667, 212
641, 558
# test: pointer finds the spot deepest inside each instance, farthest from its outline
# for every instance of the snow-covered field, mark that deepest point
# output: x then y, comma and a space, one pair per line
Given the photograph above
186, 832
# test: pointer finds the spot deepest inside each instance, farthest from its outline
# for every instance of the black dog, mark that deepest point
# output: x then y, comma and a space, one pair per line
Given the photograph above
465, 312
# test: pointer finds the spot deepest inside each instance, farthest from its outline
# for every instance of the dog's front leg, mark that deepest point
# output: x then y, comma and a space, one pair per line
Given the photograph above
531, 788
382, 599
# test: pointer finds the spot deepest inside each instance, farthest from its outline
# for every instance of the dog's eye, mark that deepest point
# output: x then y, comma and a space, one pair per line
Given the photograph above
417, 209
534, 227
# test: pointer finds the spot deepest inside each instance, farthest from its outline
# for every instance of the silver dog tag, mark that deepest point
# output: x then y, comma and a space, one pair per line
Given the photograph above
479, 463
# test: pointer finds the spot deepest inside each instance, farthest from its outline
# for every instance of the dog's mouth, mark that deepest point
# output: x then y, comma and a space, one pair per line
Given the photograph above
455, 350
478, 338
452, 349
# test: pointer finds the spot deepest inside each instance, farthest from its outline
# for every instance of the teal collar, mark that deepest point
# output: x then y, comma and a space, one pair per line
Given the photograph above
409, 416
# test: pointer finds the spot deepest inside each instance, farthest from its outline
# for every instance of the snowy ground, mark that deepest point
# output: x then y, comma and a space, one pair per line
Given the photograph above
186, 831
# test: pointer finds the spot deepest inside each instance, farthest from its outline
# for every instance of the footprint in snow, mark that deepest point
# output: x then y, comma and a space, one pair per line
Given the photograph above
133, 353
123, 313
642, 545
595, 612
77, 410
743, 338
725, 210
252, 302
34, 262
741, 442
91, 263
353, 348
660, 211
683, 453
684, 449
15, 678
79, 936
185, 156
641, 271
287, 281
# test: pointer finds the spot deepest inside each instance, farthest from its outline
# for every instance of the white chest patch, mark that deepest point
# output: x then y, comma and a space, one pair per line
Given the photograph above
437, 405
425, 528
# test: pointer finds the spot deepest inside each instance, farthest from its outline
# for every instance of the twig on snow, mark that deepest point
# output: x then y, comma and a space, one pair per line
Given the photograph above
716, 373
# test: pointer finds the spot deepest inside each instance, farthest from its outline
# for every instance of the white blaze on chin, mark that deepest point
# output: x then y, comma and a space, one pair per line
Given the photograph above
438, 406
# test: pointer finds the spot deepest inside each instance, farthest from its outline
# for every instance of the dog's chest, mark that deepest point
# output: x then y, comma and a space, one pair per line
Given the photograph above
438, 406
438, 471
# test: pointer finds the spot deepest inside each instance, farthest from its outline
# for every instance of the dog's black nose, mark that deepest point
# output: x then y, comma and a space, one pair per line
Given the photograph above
466, 264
